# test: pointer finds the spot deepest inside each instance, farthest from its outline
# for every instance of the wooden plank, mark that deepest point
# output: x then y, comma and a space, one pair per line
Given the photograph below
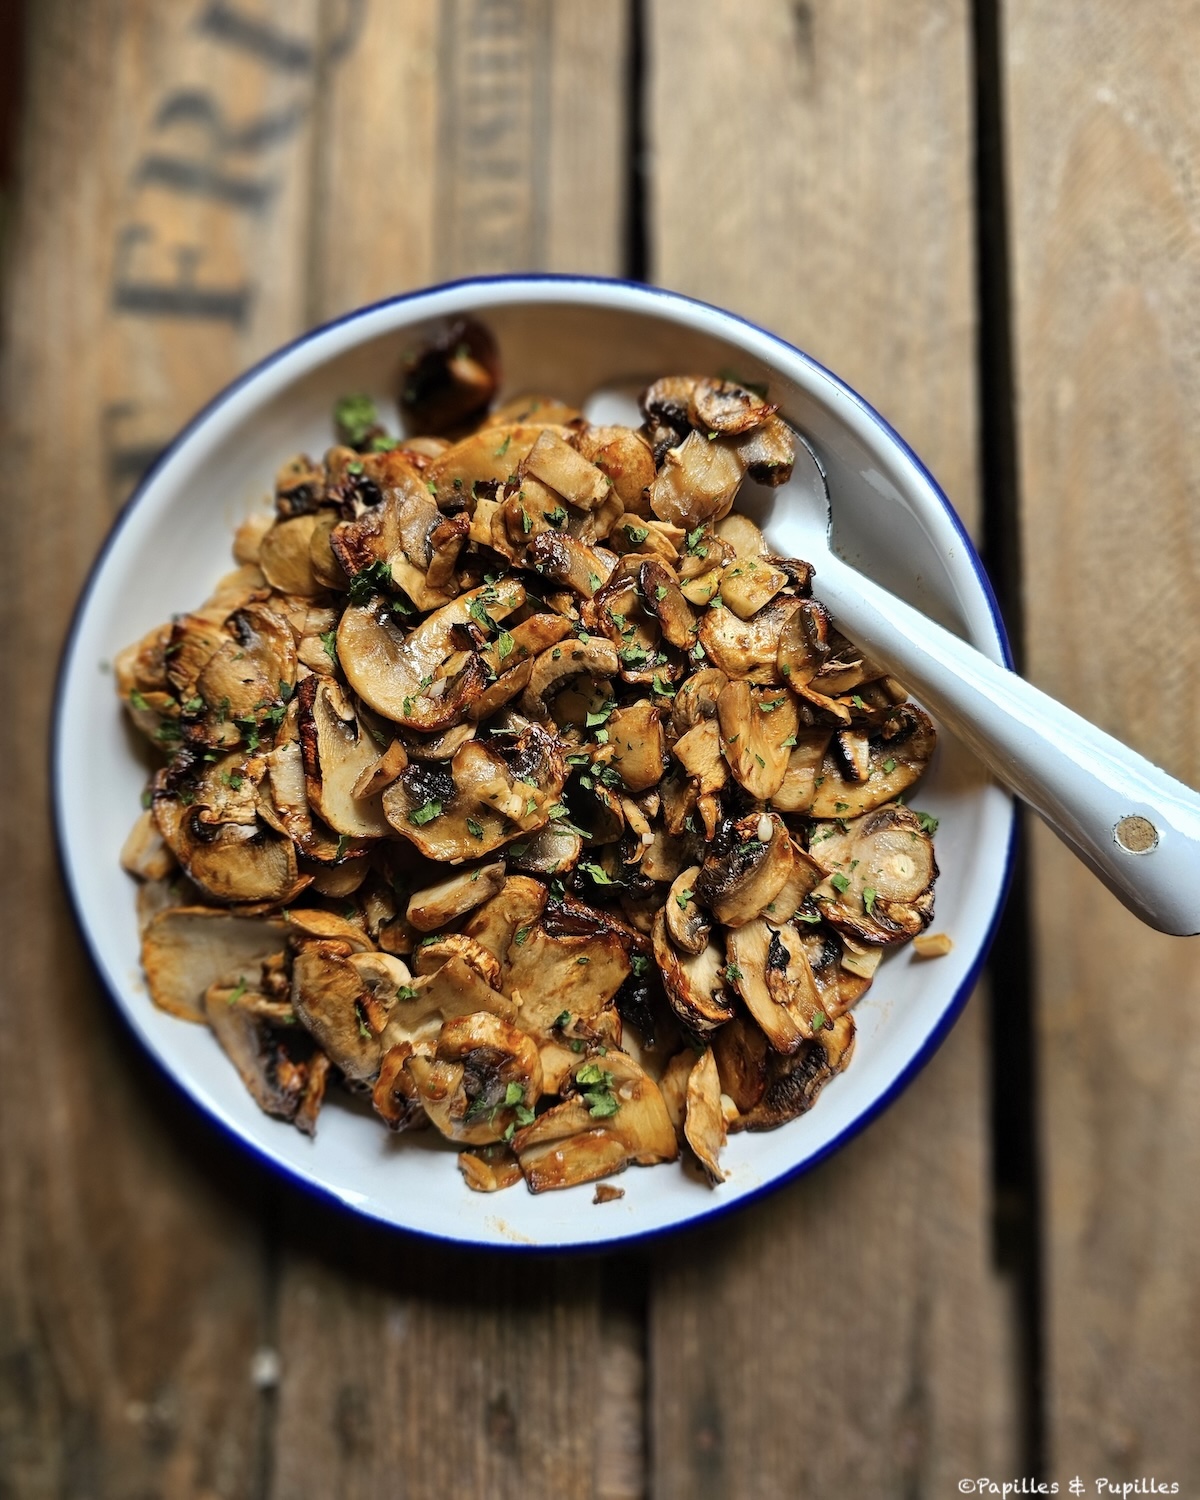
144, 267
813, 171
407, 1368
1102, 112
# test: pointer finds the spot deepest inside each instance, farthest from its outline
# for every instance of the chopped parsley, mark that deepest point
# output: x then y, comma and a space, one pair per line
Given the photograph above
406, 992
329, 641
354, 417
639, 963
505, 645
237, 992
370, 580
869, 900
598, 874
474, 829
637, 534
839, 883
596, 1086
521, 936
683, 899
929, 824
422, 815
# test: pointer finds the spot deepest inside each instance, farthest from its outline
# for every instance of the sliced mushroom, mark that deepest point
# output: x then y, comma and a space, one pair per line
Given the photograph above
276, 1063
576, 973
799, 785
768, 452
338, 755
492, 792
549, 851
518, 904
881, 874
285, 555
438, 905
396, 673
566, 560
697, 482
186, 949
793, 1082
483, 1072
758, 730
143, 853
740, 533
704, 1123
769, 968
697, 699
313, 922
627, 459
747, 648
741, 1053
329, 998
451, 379
432, 953
234, 863
724, 407
534, 408
594, 657
688, 924
381, 772
746, 868
639, 745
896, 758
664, 599
615, 1116
694, 983
556, 463
490, 1169
749, 584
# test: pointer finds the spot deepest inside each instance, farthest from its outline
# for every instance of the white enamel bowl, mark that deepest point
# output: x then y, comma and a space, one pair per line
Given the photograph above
571, 338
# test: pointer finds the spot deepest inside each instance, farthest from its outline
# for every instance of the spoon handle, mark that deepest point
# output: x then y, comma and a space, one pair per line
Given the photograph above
1136, 827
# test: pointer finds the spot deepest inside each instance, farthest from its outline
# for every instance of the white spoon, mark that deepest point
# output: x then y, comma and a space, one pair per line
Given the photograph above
1136, 827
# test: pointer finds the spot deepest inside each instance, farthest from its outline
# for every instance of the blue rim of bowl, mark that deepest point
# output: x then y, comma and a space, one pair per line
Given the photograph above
327, 1194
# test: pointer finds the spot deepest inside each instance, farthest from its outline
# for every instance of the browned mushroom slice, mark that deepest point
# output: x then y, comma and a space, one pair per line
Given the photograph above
451, 379
192, 644
285, 556
688, 924
433, 952
490, 1169
758, 730
804, 643
576, 973
694, 983
673, 1087
856, 752
740, 533
382, 771
724, 407
185, 949
234, 863
645, 536
748, 584
697, 699
397, 673
897, 757
527, 640
518, 905
697, 482
747, 648
799, 786
668, 399
567, 561
615, 1115
274, 1062
480, 465
338, 754
143, 853
746, 868
483, 1072
704, 1123
769, 968
492, 792
806, 874
664, 599
553, 668
556, 463
639, 745
550, 851
794, 1082
768, 452
329, 998
741, 1052
438, 905
394, 1094
255, 665
881, 874
534, 408
626, 457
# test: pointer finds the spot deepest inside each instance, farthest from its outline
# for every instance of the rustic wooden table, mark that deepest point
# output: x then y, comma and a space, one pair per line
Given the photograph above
988, 220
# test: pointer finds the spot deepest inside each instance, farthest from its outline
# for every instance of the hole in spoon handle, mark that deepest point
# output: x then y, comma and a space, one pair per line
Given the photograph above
1136, 835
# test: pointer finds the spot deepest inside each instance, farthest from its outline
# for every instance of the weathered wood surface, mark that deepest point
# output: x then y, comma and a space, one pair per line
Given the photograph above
1102, 107
848, 1336
200, 180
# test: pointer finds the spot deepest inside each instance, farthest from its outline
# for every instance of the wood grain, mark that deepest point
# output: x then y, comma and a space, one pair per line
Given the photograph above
848, 1336
1105, 228
132, 1271
409, 1369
